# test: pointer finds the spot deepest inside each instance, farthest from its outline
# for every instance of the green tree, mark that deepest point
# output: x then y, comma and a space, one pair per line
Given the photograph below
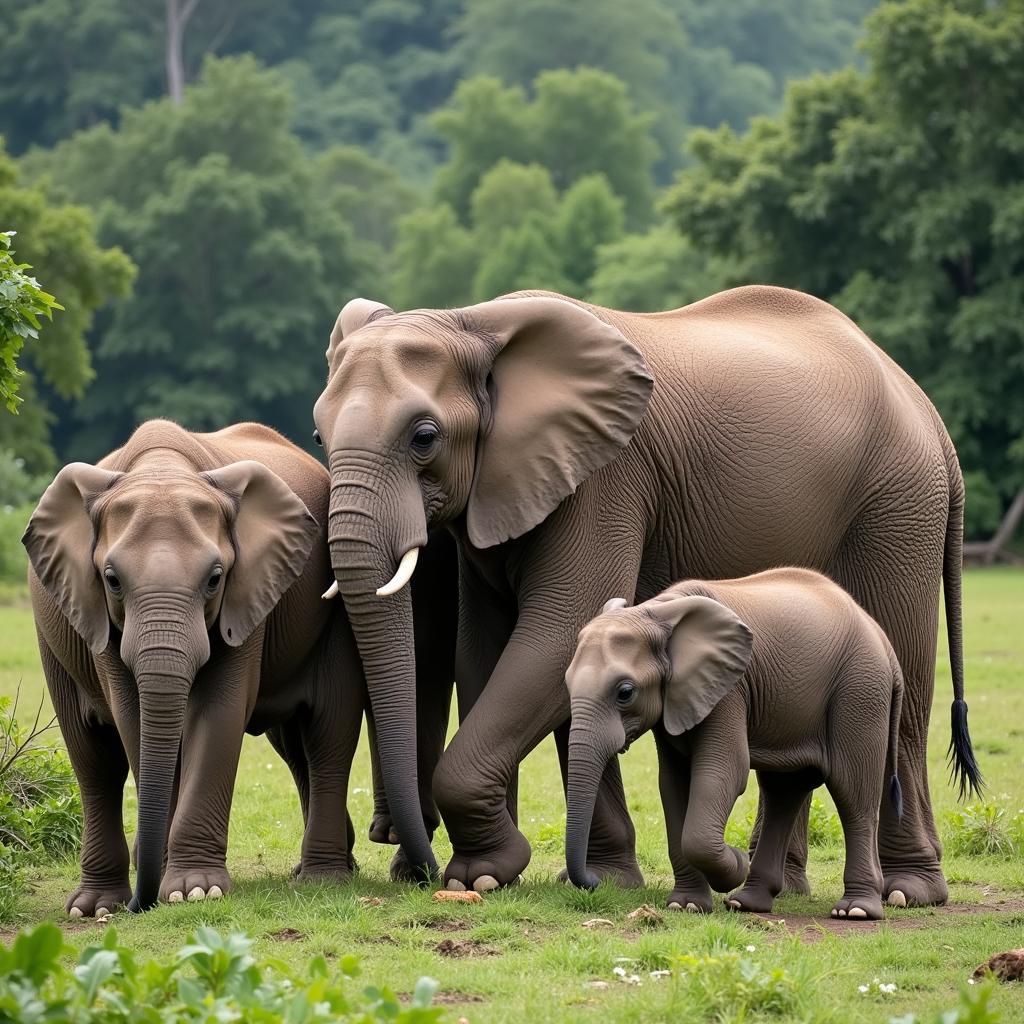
520, 257
59, 241
243, 261
435, 259
590, 215
508, 195
898, 194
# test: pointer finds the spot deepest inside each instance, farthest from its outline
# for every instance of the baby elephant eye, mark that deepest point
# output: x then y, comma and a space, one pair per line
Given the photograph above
316, 437
214, 581
112, 581
625, 694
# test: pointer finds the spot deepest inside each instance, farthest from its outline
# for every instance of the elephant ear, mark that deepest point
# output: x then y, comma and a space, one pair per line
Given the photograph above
708, 649
567, 392
273, 533
60, 538
355, 313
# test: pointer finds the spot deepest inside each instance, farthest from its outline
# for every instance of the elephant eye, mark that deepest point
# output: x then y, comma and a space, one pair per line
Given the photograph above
112, 581
316, 437
214, 581
424, 438
625, 694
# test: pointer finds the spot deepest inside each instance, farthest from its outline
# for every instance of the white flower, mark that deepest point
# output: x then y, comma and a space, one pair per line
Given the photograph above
863, 989
751, 949
970, 981
269, 767
619, 971
888, 989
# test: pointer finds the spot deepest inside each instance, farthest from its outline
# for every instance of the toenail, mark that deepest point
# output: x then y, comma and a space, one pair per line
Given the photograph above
692, 908
675, 906
485, 883
454, 885
196, 894
857, 912
176, 897
215, 893
102, 912
896, 899
75, 912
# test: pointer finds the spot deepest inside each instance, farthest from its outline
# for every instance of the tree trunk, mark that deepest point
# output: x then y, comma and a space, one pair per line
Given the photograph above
178, 15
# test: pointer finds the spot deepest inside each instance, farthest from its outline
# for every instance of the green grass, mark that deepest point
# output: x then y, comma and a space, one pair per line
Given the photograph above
530, 956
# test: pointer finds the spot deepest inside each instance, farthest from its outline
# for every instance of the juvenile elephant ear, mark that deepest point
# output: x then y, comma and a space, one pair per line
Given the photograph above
709, 649
355, 313
273, 533
60, 538
567, 392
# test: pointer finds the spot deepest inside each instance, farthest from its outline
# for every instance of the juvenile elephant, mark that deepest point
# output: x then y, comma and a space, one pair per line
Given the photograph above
782, 672
580, 453
177, 590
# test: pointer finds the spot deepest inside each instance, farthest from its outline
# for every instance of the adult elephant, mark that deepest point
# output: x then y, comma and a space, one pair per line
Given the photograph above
579, 454
177, 589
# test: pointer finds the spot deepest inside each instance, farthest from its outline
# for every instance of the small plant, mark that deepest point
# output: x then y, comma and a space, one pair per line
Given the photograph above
972, 1009
730, 985
984, 830
823, 825
212, 978
40, 807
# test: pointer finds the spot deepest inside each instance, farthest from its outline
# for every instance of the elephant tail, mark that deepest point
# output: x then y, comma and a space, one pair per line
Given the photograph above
964, 768
893, 754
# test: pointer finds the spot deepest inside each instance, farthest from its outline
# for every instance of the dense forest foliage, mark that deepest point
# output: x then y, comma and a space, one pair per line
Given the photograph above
203, 183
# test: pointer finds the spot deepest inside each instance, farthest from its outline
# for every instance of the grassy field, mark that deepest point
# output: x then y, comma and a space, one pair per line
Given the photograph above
525, 954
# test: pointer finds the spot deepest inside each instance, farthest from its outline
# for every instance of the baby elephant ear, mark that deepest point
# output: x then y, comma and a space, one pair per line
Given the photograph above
709, 649
614, 605
355, 313
60, 538
273, 533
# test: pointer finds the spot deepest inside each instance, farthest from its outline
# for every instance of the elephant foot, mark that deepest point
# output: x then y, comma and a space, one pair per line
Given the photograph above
795, 881
382, 831
97, 899
316, 873
182, 884
859, 908
690, 899
906, 888
489, 869
625, 873
751, 899
724, 876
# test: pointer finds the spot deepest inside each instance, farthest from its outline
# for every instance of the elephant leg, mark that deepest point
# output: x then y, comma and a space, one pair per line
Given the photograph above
101, 767
795, 878
857, 804
611, 849
894, 572
719, 771
690, 889
286, 739
783, 796
216, 715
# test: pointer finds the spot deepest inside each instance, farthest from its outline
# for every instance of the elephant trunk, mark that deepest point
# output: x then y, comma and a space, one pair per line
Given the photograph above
164, 645
594, 739
370, 531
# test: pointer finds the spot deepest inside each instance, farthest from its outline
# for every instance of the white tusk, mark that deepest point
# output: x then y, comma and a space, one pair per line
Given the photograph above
331, 591
406, 567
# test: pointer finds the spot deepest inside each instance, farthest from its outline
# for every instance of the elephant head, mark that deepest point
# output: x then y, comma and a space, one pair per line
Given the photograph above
486, 418
669, 660
165, 560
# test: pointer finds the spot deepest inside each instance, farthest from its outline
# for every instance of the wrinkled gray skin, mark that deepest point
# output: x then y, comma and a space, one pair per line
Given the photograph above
781, 672
176, 590
580, 453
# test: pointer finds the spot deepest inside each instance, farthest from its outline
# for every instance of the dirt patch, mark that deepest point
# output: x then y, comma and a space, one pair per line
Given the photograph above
811, 929
448, 925
286, 935
459, 949
443, 998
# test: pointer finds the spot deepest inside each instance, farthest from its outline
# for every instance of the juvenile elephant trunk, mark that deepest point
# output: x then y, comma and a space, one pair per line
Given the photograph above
368, 536
594, 739
162, 701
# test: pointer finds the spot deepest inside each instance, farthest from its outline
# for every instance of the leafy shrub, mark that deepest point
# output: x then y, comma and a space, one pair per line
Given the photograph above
823, 825
985, 830
40, 806
212, 978
728, 985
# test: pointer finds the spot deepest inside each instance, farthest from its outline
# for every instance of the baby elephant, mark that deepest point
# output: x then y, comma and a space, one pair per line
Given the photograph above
782, 672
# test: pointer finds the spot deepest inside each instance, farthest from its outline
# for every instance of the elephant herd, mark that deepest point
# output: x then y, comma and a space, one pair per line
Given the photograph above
728, 523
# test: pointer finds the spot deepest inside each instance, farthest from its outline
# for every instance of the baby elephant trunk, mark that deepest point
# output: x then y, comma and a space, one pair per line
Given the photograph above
594, 739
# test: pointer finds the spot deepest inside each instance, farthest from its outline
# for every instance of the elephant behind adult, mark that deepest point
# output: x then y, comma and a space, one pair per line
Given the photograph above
580, 454
176, 589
